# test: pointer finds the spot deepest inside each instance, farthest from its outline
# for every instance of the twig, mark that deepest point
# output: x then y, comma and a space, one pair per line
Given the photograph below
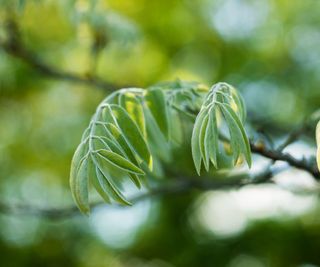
294, 135
275, 155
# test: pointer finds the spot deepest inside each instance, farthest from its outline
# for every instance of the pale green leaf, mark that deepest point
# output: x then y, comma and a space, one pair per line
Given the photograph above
111, 189
134, 108
203, 148
211, 138
318, 144
99, 184
156, 103
238, 133
195, 146
79, 179
131, 132
119, 161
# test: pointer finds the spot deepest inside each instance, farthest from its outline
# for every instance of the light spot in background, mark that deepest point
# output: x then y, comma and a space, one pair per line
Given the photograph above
265, 201
218, 214
226, 214
304, 46
263, 96
237, 19
297, 181
117, 226
246, 261
301, 149
20, 232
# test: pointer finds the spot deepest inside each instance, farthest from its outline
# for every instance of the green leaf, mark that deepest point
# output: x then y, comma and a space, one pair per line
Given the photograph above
203, 148
156, 103
116, 135
79, 179
113, 145
195, 144
134, 108
111, 189
119, 161
131, 133
211, 138
318, 144
237, 132
99, 184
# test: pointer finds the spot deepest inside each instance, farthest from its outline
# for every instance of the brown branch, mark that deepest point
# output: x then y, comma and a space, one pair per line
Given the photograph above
14, 47
308, 165
303, 164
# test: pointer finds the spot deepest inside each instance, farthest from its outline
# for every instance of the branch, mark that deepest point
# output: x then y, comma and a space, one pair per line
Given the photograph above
14, 47
181, 185
303, 164
307, 165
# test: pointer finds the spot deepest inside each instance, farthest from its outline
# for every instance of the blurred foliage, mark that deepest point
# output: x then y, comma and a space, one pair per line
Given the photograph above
269, 49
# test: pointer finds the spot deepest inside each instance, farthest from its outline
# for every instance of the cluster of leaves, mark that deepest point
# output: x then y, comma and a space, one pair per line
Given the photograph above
123, 136
223, 100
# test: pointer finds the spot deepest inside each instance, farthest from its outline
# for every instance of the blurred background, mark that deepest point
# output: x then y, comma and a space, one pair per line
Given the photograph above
268, 49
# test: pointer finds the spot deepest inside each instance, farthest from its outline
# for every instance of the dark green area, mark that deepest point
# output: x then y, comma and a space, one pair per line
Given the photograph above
268, 49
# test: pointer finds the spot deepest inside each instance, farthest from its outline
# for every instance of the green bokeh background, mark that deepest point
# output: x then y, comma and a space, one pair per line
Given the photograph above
268, 49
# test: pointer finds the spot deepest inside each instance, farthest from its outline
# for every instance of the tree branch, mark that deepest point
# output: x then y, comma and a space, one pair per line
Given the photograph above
14, 47
181, 185
303, 164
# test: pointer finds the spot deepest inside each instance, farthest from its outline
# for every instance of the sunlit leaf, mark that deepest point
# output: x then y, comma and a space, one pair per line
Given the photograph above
155, 101
134, 108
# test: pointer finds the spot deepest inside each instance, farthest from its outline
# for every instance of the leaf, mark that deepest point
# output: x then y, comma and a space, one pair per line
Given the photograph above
119, 161
131, 133
99, 184
135, 110
117, 136
79, 179
318, 144
156, 103
110, 188
224, 97
195, 144
211, 138
113, 145
237, 132
203, 148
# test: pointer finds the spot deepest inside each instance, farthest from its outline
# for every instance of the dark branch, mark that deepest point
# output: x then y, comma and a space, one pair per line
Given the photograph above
303, 164
14, 47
